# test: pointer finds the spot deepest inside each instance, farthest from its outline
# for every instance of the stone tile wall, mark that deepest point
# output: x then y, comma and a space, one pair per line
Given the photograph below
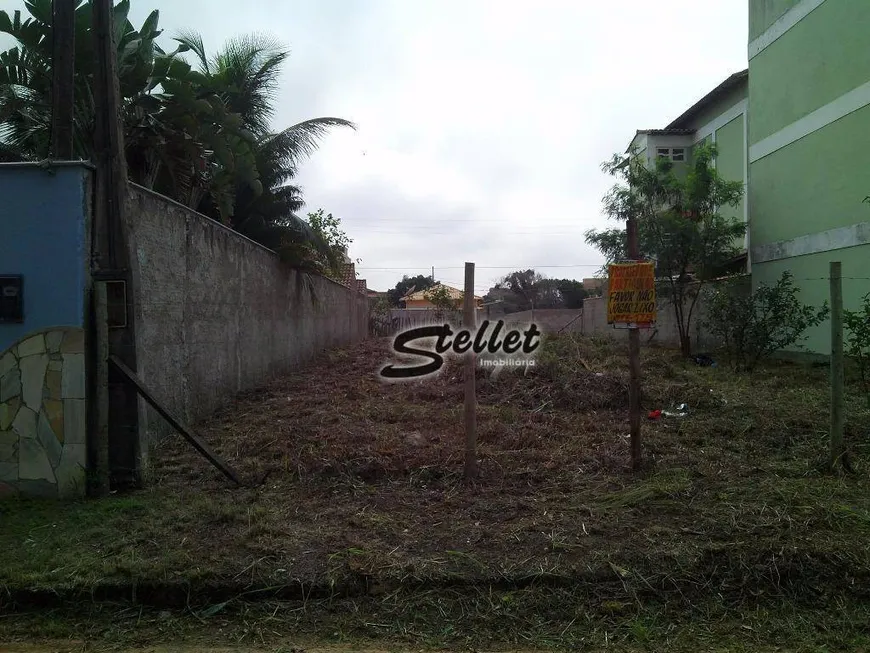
43, 425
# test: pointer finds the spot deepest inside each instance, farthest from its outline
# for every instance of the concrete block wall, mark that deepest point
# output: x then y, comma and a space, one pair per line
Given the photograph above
217, 314
549, 320
665, 332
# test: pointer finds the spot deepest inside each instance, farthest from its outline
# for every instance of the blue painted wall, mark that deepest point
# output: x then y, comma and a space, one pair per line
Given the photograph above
44, 236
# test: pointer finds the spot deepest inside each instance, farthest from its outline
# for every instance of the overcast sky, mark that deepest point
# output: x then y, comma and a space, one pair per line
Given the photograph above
482, 123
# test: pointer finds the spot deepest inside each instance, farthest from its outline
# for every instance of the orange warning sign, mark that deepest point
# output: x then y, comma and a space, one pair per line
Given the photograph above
631, 295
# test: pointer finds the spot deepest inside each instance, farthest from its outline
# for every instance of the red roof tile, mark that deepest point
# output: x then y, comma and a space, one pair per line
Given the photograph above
347, 275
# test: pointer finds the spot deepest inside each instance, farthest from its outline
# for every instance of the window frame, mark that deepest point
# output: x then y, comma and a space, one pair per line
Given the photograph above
669, 153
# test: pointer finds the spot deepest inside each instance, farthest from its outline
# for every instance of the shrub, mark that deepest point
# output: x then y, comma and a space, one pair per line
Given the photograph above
857, 326
379, 317
440, 297
753, 325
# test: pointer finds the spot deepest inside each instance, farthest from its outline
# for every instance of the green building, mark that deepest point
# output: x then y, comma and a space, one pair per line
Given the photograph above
795, 128
809, 146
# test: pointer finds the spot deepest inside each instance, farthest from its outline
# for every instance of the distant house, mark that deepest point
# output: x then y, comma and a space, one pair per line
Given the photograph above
594, 285
418, 299
376, 294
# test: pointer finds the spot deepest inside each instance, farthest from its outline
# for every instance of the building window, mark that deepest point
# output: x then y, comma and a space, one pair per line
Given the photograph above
672, 153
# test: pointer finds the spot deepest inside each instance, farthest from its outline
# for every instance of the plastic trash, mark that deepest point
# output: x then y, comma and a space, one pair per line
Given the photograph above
704, 360
655, 414
681, 411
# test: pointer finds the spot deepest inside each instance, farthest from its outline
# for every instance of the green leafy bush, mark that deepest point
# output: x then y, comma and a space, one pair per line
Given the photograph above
857, 326
379, 317
753, 325
440, 297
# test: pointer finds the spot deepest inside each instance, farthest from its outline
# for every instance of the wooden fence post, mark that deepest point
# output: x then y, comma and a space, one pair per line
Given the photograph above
634, 364
837, 452
470, 322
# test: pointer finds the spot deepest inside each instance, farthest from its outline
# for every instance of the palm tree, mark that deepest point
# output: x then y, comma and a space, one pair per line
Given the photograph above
245, 75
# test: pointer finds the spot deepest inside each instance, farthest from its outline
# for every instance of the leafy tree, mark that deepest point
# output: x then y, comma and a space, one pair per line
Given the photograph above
440, 297
408, 285
680, 226
753, 325
379, 317
527, 285
503, 297
572, 292
527, 289
857, 325
332, 240
244, 74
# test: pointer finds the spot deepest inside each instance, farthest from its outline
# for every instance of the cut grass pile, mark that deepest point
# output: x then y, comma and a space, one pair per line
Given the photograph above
477, 619
361, 503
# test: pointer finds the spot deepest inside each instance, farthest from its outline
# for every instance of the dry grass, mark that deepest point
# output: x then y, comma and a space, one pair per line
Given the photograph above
357, 498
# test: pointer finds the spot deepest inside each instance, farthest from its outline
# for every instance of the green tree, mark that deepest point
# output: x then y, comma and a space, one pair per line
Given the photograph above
525, 290
528, 288
572, 293
379, 317
331, 242
444, 303
680, 225
245, 74
857, 325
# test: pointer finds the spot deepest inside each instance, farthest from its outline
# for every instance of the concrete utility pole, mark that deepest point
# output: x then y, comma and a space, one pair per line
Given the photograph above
111, 257
634, 363
62, 78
